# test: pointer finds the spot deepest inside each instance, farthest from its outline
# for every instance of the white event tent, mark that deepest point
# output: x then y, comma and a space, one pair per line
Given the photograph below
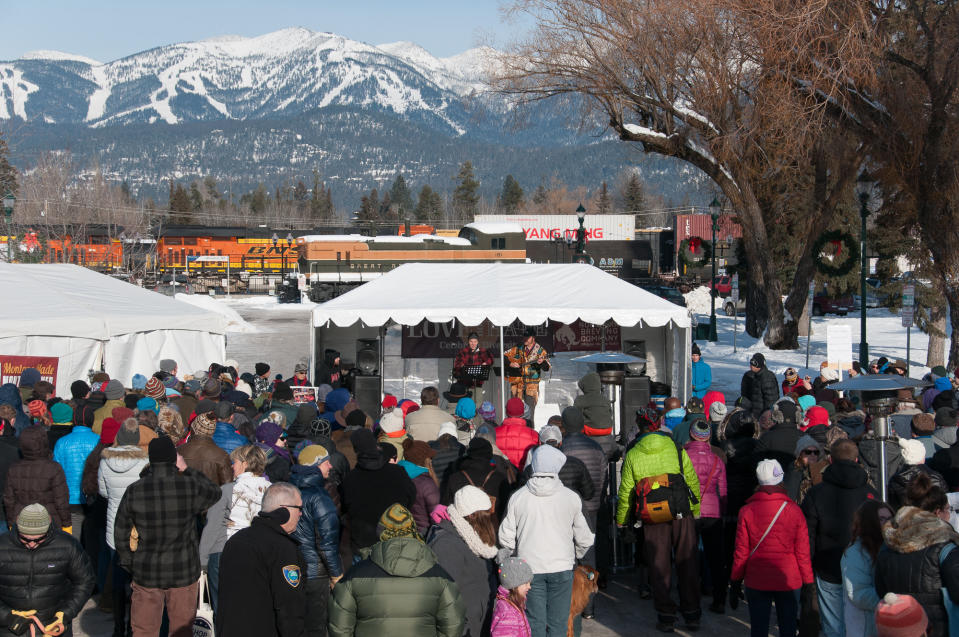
91, 321
501, 294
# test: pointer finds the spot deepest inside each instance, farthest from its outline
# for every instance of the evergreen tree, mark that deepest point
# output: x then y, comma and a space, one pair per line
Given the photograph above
369, 207
511, 199
387, 209
8, 174
180, 205
125, 191
209, 184
299, 192
258, 200
196, 198
632, 194
400, 195
603, 204
321, 200
465, 196
540, 195
429, 205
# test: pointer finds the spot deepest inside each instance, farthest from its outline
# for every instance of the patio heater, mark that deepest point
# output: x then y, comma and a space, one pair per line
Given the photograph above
878, 399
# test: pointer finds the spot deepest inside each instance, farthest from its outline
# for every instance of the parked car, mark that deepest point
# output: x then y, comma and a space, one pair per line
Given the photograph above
169, 286
723, 284
731, 309
665, 292
824, 303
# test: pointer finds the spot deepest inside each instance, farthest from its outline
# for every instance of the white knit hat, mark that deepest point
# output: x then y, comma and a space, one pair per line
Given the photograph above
913, 451
447, 428
469, 500
769, 473
392, 421
717, 411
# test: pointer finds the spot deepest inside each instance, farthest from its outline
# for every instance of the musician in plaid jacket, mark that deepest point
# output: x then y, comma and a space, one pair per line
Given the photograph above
156, 540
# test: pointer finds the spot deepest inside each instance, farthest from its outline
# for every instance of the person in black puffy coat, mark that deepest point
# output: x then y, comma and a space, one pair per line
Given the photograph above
41, 569
759, 385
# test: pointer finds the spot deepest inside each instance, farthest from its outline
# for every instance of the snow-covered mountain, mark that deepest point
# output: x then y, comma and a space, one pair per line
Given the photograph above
286, 72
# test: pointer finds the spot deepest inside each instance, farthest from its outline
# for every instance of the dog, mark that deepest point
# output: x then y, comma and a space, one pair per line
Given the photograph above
585, 584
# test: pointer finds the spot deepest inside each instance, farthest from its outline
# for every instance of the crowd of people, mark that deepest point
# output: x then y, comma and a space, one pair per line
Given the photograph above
439, 517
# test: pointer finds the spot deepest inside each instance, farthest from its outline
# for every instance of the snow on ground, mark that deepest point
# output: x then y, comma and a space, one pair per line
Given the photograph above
235, 322
249, 302
698, 300
885, 335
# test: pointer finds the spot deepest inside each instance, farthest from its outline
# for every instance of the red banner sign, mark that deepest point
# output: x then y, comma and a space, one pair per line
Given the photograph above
12, 366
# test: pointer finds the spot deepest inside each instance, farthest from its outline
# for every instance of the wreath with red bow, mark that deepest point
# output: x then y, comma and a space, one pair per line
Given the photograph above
695, 252
835, 253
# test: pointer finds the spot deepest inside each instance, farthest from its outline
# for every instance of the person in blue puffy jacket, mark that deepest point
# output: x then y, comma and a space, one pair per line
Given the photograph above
71, 453
702, 374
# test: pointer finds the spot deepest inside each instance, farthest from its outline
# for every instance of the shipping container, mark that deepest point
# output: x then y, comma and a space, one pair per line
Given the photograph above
550, 227
727, 231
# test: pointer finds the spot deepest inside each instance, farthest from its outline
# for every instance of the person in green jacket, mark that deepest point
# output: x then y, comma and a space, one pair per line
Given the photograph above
399, 590
653, 454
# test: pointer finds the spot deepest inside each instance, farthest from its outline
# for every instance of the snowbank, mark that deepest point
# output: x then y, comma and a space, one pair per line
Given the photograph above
251, 302
697, 301
235, 322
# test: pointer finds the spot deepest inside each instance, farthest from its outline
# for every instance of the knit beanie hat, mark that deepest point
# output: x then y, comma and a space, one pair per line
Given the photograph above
204, 425
829, 374
573, 420
168, 365
515, 407
170, 422
469, 500
114, 390
127, 438
923, 424
389, 401
79, 389
446, 428
267, 432
769, 473
913, 451
513, 571
807, 401
391, 422
34, 519
261, 368
313, 455
417, 451
465, 408
900, 616
945, 417
700, 431
547, 460
29, 377
758, 360
364, 444
62, 413
139, 382
815, 416
154, 388
487, 410
108, 430
148, 404
696, 350
161, 450
829, 406
938, 371
481, 449
550, 433
717, 412
806, 442
397, 521
695, 405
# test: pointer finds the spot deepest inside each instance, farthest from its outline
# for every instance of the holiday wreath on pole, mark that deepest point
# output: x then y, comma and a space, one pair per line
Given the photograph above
695, 252
835, 253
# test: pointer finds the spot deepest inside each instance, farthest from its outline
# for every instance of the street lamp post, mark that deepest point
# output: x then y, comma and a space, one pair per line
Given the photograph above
580, 233
275, 239
867, 191
289, 244
714, 209
8, 201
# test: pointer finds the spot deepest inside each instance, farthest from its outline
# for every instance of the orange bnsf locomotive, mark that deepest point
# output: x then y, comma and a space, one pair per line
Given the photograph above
178, 248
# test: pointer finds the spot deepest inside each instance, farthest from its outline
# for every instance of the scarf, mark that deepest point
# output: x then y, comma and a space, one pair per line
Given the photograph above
470, 536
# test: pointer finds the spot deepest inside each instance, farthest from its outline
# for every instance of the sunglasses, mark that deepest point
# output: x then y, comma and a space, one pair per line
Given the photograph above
810, 452
36, 541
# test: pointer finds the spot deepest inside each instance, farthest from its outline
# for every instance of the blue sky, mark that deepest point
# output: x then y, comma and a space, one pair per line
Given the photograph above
107, 30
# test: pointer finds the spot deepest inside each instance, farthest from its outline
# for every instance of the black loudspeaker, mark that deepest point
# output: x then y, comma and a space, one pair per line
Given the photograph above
366, 391
635, 395
367, 356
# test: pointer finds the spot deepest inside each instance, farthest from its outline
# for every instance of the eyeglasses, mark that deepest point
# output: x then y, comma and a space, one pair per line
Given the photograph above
294, 506
36, 541
810, 452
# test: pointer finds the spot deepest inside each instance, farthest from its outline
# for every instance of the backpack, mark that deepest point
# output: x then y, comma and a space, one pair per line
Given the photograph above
664, 497
492, 498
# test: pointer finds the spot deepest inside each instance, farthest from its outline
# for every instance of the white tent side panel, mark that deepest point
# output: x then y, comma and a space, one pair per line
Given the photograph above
77, 355
140, 353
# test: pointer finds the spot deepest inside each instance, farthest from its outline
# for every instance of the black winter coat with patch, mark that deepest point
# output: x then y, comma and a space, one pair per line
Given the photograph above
829, 507
591, 454
899, 483
56, 576
761, 389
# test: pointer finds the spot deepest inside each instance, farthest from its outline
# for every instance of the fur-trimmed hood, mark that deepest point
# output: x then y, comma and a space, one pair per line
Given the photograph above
123, 459
913, 529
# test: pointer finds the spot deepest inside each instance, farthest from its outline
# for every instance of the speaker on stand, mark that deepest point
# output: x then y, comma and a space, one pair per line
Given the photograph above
635, 396
366, 391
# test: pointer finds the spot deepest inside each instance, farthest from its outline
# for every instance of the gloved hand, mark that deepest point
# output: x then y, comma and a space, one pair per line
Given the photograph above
22, 619
67, 529
55, 627
439, 514
735, 594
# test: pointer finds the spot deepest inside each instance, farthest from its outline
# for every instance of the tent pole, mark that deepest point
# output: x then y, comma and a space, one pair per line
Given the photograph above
502, 376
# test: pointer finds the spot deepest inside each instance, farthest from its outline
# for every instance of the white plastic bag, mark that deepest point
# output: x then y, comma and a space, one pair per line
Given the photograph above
203, 624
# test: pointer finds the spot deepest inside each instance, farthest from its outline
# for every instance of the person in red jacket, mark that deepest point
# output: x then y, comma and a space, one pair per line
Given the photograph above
772, 553
513, 437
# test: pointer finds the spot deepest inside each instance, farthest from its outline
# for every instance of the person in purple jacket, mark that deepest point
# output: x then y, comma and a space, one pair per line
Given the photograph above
711, 471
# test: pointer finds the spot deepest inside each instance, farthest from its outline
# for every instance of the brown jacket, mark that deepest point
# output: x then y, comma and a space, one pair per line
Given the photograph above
37, 478
106, 411
202, 454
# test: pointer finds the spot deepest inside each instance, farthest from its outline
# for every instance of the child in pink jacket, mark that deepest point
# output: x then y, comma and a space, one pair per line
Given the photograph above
509, 612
